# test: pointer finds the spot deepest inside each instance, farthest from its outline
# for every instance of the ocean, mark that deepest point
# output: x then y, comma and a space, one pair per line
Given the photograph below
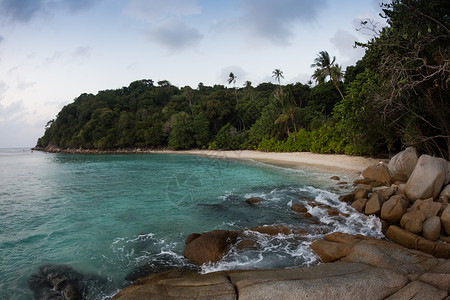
111, 218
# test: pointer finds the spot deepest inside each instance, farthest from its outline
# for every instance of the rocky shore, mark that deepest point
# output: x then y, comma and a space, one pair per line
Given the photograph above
410, 196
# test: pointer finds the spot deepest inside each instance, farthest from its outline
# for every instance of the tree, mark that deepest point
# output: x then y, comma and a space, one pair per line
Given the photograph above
248, 87
325, 67
232, 79
278, 74
411, 55
285, 103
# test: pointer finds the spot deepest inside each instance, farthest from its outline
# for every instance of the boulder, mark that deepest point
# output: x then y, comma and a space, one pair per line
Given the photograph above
246, 245
348, 198
359, 204
387, 192
429, 207
402, 164
418, 290
191, 237
412, 221
401, 236
253, 201
439, 280
427, 179
272, 229
445, 219
330, 251
445, 191
373, 206
378, 172
393, 209
431, 228
210, 246
298, 207
362, 193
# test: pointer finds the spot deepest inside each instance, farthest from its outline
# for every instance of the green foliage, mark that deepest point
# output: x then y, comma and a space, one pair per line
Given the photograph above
226, 139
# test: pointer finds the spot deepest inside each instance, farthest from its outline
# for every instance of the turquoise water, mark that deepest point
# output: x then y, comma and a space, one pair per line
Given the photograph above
106, 216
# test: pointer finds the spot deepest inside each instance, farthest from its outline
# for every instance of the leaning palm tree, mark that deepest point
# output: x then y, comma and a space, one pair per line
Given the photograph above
325, 67
232, 79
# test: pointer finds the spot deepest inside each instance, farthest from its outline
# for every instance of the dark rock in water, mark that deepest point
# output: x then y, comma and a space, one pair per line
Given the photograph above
253, 201
56, 281
153, 268
210, 246
191, 237
335, 178
298, 207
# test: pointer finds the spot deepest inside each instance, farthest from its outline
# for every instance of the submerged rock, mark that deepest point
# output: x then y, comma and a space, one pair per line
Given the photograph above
253, 201
56, 281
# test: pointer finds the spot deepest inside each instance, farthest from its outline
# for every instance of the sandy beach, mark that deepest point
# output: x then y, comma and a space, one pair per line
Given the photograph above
334, 163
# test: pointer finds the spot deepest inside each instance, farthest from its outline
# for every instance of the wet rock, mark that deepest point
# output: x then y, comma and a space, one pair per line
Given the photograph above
427, 179
431, 228
247, 245
374, 204
298, 207
337, 178
253, 201
402, 164
55, 281
348, 198
191, 237
359, 204
393, 209
378, 172
272, 229
210, 246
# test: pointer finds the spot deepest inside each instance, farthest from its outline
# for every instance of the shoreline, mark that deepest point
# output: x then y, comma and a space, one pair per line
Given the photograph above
340, 164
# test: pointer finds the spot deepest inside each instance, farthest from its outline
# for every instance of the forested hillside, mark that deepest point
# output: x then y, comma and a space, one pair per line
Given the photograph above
397, 95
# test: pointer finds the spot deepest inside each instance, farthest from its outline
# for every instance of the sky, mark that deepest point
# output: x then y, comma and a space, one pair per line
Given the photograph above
52, 51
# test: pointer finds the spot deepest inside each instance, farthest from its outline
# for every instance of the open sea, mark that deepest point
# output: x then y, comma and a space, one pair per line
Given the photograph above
107, 219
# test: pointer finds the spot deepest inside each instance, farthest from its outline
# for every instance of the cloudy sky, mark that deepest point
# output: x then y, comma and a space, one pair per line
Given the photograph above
51, 51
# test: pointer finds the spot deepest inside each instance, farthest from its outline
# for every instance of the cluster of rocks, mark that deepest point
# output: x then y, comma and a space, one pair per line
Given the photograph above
410, 195
358, 268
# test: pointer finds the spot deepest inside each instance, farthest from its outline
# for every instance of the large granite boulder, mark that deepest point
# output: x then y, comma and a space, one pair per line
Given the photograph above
445, 219
402, 164
427, 179
373, 206
209, 246
394, 208
412, 221
431, 228
378, 172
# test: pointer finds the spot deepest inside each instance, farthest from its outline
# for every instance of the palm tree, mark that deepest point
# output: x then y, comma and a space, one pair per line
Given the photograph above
278, 74
287, 107
232, 79
325, 67
248, 87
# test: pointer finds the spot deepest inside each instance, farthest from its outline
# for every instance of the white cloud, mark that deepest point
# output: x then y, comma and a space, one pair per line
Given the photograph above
174, 35
273, 21
156, 10
344, 42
